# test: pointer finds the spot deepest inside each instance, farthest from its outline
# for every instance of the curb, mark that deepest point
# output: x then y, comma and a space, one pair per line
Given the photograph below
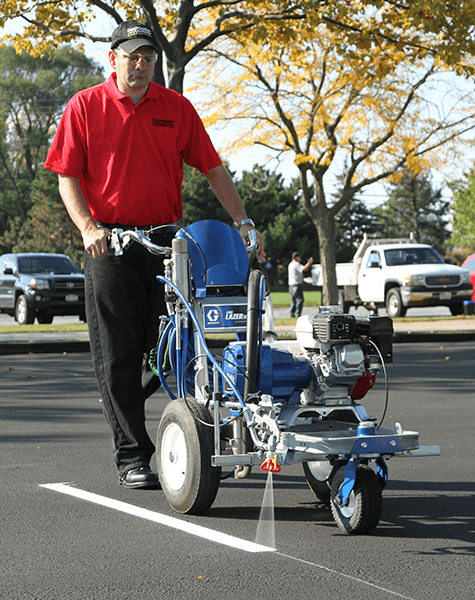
59, 347
433, 336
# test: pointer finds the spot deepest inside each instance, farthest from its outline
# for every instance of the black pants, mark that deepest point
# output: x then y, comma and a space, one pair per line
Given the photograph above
124, 302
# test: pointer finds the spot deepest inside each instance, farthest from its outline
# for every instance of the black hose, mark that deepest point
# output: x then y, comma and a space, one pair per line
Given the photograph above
252, 333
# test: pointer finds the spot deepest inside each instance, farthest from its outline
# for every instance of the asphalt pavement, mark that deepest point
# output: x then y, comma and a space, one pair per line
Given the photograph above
106, 542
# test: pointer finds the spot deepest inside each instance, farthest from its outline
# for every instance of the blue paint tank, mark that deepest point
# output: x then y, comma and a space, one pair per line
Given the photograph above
282, 375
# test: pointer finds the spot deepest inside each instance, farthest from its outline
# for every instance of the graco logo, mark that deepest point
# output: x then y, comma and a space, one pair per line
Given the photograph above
213, 315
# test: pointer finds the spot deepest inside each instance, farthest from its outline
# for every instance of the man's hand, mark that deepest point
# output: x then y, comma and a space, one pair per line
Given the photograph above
308, 264
244, 230
95, 241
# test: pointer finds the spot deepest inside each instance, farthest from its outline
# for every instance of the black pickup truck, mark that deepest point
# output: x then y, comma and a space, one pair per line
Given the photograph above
40, 285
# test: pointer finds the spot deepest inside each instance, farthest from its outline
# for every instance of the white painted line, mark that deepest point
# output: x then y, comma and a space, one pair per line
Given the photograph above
198, 530
143, 513
340, 574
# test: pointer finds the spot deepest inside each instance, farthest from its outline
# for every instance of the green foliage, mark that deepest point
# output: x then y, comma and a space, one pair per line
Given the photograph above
351, 223
33, 93
414, 206
199, 201
48, 227
464, 211
276, 210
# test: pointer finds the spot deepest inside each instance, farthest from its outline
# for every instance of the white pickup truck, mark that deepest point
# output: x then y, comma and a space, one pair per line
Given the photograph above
398, 274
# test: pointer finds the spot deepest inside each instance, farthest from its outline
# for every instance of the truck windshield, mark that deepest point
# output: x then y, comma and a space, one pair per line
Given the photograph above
47, 264
411, 256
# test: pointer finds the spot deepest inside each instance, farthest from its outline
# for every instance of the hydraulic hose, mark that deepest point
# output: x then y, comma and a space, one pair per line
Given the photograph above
202, 339
253, 342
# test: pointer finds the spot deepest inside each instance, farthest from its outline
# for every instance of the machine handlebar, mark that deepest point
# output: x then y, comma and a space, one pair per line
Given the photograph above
120, 239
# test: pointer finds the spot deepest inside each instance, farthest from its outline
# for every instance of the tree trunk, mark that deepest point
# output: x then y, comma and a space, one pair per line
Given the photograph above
326, 238
323, 221
176, 76
158, 75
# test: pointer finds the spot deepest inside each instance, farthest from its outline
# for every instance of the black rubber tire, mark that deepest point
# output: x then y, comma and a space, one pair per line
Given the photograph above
319, 476
45, 318
345, 304
394, 306
24, 313
456, 309
362, 512
184, 450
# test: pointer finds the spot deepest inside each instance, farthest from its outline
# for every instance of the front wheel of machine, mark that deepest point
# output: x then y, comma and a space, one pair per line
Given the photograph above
362, 512
184, 450
319, 476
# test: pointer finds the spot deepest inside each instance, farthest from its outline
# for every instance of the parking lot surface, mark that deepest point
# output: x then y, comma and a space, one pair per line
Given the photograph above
57, 546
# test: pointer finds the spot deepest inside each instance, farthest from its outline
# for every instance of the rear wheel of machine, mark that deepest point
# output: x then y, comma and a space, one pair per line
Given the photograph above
184, 450
319, 476
362, 512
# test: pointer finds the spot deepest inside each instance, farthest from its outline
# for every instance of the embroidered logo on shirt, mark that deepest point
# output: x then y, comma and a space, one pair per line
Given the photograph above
163, 123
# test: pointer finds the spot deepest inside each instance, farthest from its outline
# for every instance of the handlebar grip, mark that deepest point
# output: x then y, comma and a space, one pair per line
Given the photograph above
252, 238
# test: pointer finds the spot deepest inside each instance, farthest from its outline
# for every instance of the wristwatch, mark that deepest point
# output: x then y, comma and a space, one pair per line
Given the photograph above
245, 222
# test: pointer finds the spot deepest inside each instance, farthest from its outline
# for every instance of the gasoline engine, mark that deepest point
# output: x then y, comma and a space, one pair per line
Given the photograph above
339, 358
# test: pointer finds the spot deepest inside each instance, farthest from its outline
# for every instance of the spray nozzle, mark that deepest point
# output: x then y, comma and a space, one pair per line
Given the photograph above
271, 464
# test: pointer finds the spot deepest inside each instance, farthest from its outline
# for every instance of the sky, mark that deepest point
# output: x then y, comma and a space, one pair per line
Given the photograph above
246, 159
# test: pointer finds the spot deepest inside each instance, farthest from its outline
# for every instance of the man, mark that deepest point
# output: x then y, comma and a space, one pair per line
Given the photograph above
296, 271
119, 152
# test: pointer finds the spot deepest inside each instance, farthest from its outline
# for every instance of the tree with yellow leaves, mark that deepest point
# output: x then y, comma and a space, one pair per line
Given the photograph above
367, 115
185, 28
321, 78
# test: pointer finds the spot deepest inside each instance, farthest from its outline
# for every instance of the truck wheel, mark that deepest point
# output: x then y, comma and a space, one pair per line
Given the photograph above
24, 313
45, 318
456, 309
362, 511
346, 304
184, 449
394, 305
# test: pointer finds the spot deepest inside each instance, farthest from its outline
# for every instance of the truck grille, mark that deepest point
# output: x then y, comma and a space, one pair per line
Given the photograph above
68, 286
445, 281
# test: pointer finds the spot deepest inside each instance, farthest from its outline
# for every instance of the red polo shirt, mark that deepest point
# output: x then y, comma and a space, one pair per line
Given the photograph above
129, 157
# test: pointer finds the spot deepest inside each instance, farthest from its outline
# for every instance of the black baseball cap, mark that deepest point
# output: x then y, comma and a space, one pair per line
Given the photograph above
294, 255
131, 35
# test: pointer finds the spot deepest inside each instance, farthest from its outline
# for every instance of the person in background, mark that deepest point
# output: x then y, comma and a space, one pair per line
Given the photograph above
118, 152
296, 271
